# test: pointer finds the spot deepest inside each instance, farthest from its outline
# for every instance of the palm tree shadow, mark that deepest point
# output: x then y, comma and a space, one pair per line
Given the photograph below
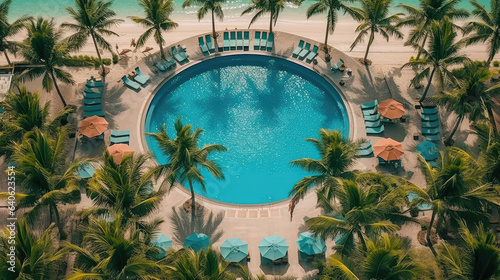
207, 223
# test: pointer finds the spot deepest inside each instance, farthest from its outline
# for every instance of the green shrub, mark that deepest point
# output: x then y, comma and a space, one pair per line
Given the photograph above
496, 63
106, 61
115, 59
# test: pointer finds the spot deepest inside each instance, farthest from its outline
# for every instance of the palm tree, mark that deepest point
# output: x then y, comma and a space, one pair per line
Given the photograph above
186, 159
45, 180
337, 156
92, 18
455, 190
23, 113
205, 264
273, 7
359, 210
442, 52
386, 257
470, 96
124, 189
44, 49
157, 20
487, 29
214, 6
37, 257
8, 30
331, 7
477, 257
109, 251
374, 17
420, 19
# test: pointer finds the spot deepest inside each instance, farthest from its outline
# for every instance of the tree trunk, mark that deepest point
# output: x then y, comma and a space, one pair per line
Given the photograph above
57, 87
98, 54
193, 206
427, 87
423, 46
7, 57
449, 140
428, 235
372, 35
62, 234
213, 25
271, 24
326, 36
160, 44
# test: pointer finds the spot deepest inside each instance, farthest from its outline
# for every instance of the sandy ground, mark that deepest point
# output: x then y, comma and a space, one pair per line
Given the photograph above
382, 80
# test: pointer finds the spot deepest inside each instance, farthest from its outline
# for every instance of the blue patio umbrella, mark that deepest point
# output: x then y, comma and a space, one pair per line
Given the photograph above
197, 241
428, 150
234, 250
273, 247
85, 171
163, 242
310, 244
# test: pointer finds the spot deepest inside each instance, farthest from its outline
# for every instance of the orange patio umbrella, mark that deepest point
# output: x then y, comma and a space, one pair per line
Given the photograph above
391, 109
118, 151
388, 149
93, 126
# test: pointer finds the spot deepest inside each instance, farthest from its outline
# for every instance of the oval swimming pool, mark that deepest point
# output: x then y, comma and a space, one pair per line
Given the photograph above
261, 108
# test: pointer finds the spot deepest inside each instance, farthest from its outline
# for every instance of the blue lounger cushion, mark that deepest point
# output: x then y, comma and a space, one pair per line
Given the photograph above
91, 101
141, 78
372, 118
298, 49
246, 39
373, 124
339, 64
119, 140
368, 112
375, 130
369, 105
239, 40
232, 40
120, 133
430, 130
429, 110
91, 90
429, 118
312, 54
256, 41
210, 45
263, 41
430, 124
270, 42
226, 41
94, 83
91, 95
434, 137
203, 47
305, 51
130, 83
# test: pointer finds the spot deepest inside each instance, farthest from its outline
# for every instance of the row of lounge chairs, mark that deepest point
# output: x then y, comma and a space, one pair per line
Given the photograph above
139, 79
180, 54
165, 65
235, 40
302, 52
208, 47
373, 124
365, 149
430, 123
92, 99
119, 137
263, 42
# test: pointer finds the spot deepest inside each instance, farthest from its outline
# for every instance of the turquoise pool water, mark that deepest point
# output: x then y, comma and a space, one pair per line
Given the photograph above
261, 108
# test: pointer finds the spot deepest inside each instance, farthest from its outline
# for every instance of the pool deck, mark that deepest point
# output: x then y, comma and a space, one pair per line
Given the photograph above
125, 110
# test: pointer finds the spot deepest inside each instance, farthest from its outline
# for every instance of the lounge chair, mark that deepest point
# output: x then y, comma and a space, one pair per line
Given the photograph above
177, 56
430, 124
119, 140
203, 46
298, 49
226, 41
182, 52
91, 95
365, 149
140, 77
164, 65
91, 101
434, 137
91, 90
312, 54
263, 41
374, 130
239, 40
130, 83
120, 133
270, 42
429, 110
210, 45
94, 84
369, 105
373, 124
304, 51
371, 111
338, 65
372, 118
256, 41
382, 161
246, 40
430, 131
430, 118
232, 41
